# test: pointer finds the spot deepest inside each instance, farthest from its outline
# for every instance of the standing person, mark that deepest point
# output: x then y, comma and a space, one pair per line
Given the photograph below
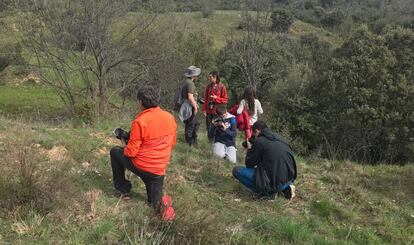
189, 96
148, 151
215, 93
225, 133
270, 165
252, 106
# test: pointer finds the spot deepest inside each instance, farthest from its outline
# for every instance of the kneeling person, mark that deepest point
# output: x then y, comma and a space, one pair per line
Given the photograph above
224, 134
270, 165
148, 151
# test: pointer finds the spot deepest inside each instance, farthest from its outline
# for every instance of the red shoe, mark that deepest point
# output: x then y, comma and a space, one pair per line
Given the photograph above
167, 211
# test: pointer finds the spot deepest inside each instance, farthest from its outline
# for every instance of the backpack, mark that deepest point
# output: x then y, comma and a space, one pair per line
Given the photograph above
242, 119
178, 98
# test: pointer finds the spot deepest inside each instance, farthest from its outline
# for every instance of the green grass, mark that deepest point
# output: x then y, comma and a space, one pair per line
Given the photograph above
27, 101
56, 186
71, 198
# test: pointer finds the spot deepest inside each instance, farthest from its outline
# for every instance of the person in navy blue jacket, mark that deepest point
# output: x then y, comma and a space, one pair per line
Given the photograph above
224, 134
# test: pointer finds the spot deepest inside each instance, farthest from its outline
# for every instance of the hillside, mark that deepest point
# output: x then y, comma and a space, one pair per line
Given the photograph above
56, 186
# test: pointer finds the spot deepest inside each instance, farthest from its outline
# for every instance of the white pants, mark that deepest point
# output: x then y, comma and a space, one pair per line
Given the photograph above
220, 150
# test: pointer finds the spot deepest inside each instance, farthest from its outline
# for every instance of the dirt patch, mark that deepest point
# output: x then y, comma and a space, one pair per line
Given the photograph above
57, 154
101, 152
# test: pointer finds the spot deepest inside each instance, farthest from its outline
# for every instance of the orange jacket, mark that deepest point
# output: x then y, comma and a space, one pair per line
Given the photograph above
151, 140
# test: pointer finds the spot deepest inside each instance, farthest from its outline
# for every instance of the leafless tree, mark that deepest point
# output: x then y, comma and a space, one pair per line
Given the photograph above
249, 51
82, 46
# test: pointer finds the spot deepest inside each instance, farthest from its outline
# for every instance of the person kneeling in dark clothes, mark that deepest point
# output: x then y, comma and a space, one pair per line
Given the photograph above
270, 165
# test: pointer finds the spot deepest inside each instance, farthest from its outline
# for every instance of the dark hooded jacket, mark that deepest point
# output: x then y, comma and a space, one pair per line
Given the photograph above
274, 160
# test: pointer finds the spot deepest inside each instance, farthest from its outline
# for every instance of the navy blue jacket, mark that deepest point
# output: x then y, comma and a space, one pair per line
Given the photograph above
228, 136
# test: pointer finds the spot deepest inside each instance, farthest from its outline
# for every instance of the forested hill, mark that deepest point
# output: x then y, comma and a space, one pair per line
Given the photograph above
335, 77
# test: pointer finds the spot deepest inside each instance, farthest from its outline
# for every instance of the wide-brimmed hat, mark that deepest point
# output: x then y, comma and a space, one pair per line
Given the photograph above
192, 71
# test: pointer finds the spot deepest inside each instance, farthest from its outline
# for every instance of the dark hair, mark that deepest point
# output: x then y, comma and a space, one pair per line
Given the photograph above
221, 109
215, 74
148, 96
249, 96
260, 125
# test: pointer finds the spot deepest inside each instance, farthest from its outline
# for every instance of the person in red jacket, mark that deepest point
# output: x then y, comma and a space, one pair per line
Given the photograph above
215, 93
148, 151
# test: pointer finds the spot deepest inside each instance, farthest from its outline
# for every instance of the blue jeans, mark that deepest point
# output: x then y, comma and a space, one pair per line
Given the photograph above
246, 177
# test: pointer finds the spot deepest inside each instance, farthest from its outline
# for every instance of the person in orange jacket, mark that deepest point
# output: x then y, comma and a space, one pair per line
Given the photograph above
214, 94
148, 151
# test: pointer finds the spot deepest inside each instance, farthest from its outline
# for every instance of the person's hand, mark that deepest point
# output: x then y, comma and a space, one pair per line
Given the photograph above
213, 96
204, 113
249, 145
222, 125
123, 142
195, 110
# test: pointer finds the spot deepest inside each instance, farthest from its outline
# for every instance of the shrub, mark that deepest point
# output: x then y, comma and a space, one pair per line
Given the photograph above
207, 8
10, 54
281, 20
308, 5
332, 19
360, 102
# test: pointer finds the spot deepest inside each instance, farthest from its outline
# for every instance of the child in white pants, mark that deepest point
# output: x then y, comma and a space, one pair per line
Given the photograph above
225, 134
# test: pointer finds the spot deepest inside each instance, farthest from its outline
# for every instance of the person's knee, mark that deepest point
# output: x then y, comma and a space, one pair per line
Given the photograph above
115, 151
219, 154
232, 158
218, 151
236, 171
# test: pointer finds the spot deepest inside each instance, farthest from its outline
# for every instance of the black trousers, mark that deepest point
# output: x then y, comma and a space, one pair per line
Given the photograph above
210, 127
153, 183
191, 129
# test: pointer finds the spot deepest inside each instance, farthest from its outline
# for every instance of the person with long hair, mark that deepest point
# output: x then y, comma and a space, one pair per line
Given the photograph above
252, 106
215, 94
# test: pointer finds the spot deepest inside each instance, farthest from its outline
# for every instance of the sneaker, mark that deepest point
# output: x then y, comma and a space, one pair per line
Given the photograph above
125, 196
271, 197
289, 193
167, 211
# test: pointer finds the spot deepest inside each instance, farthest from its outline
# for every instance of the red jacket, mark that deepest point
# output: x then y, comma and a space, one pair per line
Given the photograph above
242, 119
152, 138
214, 89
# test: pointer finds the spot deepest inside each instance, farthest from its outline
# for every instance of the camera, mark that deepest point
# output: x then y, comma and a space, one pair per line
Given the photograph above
121, 134
217, 122
251, 140
211, 105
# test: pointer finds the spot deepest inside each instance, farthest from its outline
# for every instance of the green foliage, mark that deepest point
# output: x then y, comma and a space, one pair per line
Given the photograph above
207, 8
197, 49
281, 20
333, 18
10, 54
357, 108
354, 103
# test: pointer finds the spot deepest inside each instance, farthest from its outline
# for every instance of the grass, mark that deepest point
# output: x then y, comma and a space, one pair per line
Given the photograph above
70, 196
30, 101
56, 185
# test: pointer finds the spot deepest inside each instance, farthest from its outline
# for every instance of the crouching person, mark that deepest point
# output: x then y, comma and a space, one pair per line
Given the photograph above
147, 153
270, 165
224, 134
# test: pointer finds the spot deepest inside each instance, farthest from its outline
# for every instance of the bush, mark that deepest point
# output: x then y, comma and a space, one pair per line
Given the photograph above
360, 103
333, 19
281, 20
10, 54
308, 5
354, 102
207, 8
